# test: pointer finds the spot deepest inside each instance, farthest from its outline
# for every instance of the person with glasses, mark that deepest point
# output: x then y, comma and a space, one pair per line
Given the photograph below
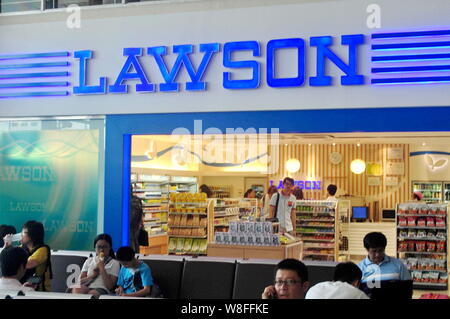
99, 273
345, 284
291, 281
282, 207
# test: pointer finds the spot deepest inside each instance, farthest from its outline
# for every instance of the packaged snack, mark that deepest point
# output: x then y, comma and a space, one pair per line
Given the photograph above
430, 222
443, 278
439, 264
417, 276
440, 222
441, 235
172, 245
403, 246
226, 238
411, 246
442, 210
241, 227
422, 264
402, 222
412, 233
195, 246
403, 233
259, 227
425, 277
268, 227
204, 221
431, 234
243, 239
250, 239
430, 264
420, 222
431, 246
188, 245
433, 210
411, 221
422, 233
233, 226
275, 240
267, 240
250, 227
234, 238
412, 263
440, 247
413, 209
259, 239
402, 209
180, 245
420, 246
218, 237
434, 277
423, 210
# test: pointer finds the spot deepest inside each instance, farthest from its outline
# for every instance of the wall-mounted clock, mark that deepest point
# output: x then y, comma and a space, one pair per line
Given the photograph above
335, 158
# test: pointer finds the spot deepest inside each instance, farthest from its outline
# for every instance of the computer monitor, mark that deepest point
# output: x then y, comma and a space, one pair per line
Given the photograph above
388, 215
360, 213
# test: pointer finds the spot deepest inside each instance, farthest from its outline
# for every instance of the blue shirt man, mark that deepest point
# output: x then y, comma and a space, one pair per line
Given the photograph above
377, 266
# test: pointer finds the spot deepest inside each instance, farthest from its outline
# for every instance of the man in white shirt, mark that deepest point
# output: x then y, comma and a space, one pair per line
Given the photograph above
347, 277
282, 206
13, 261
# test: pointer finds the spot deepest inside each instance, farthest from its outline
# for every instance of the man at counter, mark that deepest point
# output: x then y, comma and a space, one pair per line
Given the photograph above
378, 268
282, 206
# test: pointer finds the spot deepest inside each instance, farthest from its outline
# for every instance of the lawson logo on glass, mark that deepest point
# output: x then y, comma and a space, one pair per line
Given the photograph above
414, 57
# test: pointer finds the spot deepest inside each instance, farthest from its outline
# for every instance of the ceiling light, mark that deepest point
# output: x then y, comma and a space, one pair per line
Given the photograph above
293, 165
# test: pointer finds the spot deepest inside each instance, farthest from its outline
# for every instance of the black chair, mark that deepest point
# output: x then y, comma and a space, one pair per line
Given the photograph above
207, 280
389, 290
319, 271
251, 278
66, 270
167, 275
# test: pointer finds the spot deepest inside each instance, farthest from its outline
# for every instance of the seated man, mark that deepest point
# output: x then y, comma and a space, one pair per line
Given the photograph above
346, 279
135, 277
378, 268
291, 281
13, 261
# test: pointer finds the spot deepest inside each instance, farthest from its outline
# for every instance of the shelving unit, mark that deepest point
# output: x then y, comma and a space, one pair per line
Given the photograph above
446, 192
153, 190
221, 191
183, 184
431, 190
316, 225
225, 211
422, 243
189, 224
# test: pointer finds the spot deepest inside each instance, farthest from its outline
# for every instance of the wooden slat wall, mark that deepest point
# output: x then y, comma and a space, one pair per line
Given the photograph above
315, 165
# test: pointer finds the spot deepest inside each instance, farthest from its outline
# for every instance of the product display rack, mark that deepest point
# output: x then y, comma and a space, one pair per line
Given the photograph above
181, 184
225, 211
422, 243
446, 192
154, 192
189, 223
315, 224
223, 191
431, 190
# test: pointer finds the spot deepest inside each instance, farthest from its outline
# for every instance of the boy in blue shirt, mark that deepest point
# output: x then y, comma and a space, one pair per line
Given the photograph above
135, 276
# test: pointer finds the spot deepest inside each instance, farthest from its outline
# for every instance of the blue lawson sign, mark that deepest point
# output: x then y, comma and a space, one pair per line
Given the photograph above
415, 57
208, 50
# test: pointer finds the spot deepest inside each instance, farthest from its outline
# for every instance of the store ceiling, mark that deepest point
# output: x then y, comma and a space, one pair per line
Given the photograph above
418, 138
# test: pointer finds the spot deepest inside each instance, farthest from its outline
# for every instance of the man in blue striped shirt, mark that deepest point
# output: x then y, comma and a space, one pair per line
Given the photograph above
377, 266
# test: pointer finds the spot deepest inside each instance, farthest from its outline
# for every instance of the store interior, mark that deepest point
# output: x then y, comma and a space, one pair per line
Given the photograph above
375, 171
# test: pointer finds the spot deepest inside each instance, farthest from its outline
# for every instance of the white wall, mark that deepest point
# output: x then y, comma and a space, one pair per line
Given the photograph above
420, 168
108, 31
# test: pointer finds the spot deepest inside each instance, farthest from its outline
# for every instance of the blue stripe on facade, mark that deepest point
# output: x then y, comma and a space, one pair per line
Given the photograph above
34, 55
33, 65
410, 34
32, 94
33, 75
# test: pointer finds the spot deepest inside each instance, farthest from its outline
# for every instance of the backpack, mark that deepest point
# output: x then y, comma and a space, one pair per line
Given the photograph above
275, 218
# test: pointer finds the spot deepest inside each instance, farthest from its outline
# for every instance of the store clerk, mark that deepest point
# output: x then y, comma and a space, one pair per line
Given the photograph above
282, 206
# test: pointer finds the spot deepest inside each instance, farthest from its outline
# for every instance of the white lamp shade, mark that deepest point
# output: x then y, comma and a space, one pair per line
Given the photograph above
293, 165
358, 166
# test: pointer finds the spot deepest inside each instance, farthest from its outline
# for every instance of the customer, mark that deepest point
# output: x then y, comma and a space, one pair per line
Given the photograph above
417, 196
135, 277
39, 262
377, 266
331, 189
291, 281
266, 200
136, 217
346, 280
250, 193
282, 206
205, 189
13, 261
99, 273
298, 193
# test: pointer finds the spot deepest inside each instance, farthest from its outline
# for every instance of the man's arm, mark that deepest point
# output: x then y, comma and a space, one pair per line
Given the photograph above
141, 293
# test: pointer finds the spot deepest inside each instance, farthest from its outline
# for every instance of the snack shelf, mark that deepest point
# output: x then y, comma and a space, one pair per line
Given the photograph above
317, 218
180, 236
178, 213
424, 238
174, 226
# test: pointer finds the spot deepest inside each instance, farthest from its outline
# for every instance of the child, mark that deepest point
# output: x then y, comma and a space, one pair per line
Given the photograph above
135, 276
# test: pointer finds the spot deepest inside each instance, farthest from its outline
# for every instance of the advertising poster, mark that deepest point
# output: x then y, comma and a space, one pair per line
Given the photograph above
51, 176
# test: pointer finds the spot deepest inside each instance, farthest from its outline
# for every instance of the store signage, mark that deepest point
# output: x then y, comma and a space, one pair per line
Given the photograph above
135, 65
300, 184
404, 64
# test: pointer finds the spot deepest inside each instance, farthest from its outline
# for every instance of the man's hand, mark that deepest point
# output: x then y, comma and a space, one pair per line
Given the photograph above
269, 292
